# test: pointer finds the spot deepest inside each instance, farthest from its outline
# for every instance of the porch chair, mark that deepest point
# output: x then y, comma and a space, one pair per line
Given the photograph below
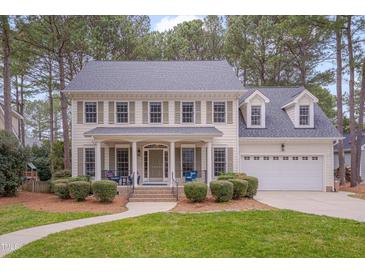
111, 176
188, 176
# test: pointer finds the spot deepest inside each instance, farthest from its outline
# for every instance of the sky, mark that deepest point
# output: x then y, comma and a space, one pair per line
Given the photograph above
167, 22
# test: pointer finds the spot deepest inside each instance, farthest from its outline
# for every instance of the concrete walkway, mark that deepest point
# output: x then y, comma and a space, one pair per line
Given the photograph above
15, 240
334, 204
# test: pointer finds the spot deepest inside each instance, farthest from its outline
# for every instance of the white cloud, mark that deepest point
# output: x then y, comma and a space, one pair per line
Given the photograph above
169, 22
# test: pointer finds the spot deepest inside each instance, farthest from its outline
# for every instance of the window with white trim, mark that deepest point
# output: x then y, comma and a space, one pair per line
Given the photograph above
90, 112
122, 112
219, 112
122, 161
90, 161
187, 109
219, 161
187, 155
304, 115
255, 115
155, 112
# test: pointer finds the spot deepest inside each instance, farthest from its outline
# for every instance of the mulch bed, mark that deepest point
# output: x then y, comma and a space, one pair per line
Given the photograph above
51, 203
211, 206
357, 189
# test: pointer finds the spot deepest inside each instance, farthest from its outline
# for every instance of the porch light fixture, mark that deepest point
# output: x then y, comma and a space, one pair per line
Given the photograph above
282, 147
139, 152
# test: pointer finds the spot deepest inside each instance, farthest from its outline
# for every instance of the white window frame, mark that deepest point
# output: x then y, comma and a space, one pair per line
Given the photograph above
181, 112
225, 111
309, 116
181, 162
260, 120
84, 159
129, 156
115, 114
84, 114
149, 112
225, 161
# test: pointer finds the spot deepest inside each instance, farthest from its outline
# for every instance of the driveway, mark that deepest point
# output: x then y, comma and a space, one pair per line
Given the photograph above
334, 204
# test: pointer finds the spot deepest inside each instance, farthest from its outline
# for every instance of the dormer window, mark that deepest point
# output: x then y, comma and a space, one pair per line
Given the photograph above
304, 115
255, 115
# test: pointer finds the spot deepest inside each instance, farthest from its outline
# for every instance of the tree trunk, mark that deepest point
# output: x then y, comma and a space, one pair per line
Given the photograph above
361, 122
21, 109
6, 73
65, 127
50, 98
354, 173
341, 157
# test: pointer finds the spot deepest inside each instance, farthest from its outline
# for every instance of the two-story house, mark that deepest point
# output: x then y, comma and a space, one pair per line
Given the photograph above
158, 120
16, 119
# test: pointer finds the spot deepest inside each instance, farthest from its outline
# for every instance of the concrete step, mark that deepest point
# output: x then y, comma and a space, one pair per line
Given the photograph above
132, 199
152, 191
154, 195
153, 187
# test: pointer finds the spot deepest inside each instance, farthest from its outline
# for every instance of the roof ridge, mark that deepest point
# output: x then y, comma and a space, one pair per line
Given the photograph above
145, 61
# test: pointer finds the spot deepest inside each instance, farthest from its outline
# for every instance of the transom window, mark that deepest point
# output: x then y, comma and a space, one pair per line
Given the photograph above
155, 112
219, 161
90, 161
255, 115
187, 159
187, 112
219, 112
90, 112
122, 112
304, 115
123, 161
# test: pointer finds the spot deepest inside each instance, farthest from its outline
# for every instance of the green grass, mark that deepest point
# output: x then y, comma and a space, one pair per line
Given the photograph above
276, 233
16, 217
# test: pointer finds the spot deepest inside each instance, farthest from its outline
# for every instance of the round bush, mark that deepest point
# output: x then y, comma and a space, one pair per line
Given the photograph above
239, 188
104, 190
61, 190
196, 191
62, 174
240, 175
79, 178
79, 190
221, 190
226, 177
253, 183
53, 182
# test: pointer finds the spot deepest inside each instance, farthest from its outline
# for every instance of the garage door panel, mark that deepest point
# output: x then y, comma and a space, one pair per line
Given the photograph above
295, 173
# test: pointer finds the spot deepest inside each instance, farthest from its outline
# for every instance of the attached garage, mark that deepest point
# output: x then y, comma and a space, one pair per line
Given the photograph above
285, 172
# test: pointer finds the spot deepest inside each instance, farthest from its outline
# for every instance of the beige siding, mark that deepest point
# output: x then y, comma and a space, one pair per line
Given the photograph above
291, 113
292, 147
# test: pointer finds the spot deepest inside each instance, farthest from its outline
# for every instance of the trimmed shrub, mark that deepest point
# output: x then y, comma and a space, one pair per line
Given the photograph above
61, 174
225, 177
53, 182
222, 190
79, 178
196, 191
240, 175
253, 183
79, 190
104, 190
239, 188
13, 158
61, 190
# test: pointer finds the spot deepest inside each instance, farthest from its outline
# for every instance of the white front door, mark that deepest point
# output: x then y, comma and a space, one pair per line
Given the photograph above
280, 172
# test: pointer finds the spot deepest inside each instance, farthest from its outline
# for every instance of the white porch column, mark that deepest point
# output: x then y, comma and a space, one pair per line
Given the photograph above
172, 162
98, 161
134, 163
209, 162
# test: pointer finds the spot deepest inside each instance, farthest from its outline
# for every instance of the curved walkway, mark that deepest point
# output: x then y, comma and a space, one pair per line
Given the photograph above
15, 240
333, 204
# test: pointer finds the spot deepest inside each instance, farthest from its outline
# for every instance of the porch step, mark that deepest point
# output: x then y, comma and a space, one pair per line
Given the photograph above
152, 194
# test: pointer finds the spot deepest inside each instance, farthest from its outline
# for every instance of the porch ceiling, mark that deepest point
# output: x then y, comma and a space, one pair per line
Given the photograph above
153, 132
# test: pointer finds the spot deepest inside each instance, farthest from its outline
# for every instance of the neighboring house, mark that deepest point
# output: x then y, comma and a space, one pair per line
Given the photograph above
159, 120
16, 118
347, 152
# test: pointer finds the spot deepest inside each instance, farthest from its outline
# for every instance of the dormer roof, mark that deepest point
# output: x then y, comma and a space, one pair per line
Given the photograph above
295, 98
256, 93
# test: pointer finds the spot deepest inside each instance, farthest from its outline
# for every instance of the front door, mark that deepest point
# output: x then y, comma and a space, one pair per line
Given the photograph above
156, 165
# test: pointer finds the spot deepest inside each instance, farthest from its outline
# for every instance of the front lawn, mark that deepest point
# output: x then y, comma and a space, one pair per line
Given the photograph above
17, 216
274, 233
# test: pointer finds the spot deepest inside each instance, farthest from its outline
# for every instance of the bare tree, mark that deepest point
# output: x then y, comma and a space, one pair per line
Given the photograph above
7, 72
341, 157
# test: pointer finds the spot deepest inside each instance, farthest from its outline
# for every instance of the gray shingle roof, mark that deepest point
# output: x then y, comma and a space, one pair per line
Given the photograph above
347, 142
278, 123
155, 75
155, 131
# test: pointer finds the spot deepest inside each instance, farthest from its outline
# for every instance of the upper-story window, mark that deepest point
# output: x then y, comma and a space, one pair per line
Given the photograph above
219, 112
155, 112
187, 112
304, 115
122, 112
90, 112
255, 115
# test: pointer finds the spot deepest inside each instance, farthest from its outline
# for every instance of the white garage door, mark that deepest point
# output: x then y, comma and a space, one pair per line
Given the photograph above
285, 172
